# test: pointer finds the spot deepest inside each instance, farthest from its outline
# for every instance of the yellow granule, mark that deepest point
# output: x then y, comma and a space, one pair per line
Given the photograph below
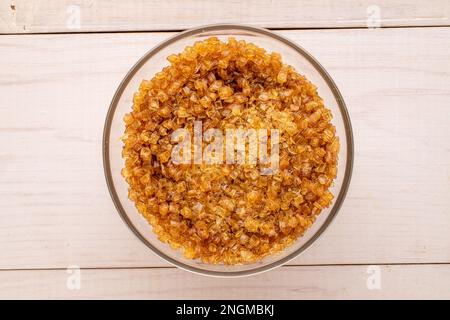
229, 213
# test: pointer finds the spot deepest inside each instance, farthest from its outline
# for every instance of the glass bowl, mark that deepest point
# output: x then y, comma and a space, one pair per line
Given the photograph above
152, 62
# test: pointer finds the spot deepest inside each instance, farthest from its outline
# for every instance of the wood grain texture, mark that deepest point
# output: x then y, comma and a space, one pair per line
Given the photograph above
55, 208
24, 16
312, 282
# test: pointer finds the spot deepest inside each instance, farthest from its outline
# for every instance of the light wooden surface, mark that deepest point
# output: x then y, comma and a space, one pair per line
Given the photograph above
25, 16
55, 210
301, 282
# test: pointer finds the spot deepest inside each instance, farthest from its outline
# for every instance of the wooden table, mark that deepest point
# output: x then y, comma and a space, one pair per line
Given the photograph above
61, 62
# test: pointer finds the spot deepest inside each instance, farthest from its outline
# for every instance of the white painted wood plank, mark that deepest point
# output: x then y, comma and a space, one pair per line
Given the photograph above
306, 282
25, 16
55, 89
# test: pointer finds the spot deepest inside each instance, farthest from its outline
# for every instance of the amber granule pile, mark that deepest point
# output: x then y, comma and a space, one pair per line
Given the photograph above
229, 213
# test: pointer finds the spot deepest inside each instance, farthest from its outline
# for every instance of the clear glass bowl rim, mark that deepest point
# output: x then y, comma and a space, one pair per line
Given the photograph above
342, 107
